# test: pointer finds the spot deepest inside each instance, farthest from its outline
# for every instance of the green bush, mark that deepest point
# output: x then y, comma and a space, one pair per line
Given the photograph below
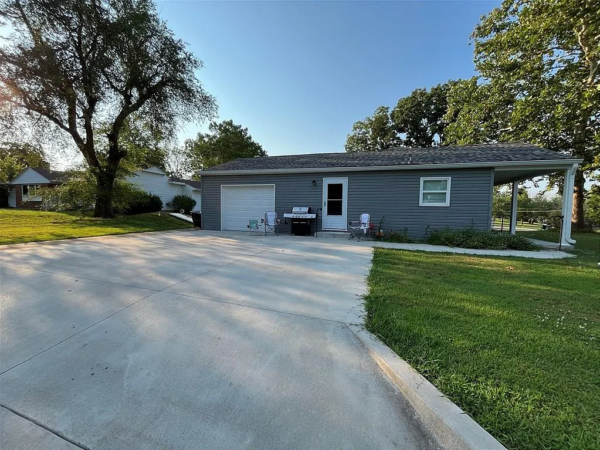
184, 202
483, 239
78, 193
142, 202
397, 236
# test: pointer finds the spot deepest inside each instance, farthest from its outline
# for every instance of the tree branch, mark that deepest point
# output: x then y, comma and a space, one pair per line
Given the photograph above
587, 51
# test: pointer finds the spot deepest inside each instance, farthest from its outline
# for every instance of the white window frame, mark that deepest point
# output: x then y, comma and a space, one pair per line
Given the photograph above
25, 197
446, 191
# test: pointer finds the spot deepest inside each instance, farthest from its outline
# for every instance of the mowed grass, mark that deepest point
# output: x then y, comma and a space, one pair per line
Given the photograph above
524, 225
18, 226
514, 342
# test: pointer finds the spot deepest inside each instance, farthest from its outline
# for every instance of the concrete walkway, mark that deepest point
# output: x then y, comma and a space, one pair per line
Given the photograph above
189, 340
182, 217
540, 254
549, 250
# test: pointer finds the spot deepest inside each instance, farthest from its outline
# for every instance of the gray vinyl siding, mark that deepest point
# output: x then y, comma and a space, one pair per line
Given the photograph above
394, 195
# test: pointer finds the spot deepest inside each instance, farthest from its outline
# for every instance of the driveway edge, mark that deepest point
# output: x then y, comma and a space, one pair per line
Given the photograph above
449, 425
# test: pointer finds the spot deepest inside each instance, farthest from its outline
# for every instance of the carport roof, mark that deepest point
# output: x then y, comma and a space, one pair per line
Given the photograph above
468, 156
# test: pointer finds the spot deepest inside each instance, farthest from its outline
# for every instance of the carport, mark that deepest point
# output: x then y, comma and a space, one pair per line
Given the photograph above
514, 174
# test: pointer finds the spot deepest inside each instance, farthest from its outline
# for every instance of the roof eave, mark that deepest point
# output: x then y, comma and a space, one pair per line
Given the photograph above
499, 165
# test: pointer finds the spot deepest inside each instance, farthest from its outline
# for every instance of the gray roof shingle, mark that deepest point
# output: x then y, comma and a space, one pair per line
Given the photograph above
192, 183
482, 153
54, 176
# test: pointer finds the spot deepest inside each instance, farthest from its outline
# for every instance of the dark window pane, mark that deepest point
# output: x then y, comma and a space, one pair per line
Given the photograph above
25, 189
334, 207
334, 191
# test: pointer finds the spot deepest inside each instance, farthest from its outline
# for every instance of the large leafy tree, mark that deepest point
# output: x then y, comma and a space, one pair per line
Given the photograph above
374, 133
225, 142
418, 120
421, 118
15, 157
540, 82
178, 162
145, 145
85, 65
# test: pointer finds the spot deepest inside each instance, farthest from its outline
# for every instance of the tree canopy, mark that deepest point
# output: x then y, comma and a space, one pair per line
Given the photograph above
16, 157
593, 204
421, 118
539, 82
85, 65
418, 120
225, 142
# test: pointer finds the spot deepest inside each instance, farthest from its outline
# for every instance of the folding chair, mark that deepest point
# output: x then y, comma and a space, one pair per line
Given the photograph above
360, 229
271, 222
253, 226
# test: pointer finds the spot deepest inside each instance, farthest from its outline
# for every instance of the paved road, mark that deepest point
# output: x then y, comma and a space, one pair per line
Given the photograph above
191, 340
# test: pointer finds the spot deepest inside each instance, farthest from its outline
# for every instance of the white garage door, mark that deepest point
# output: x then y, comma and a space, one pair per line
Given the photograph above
239, 204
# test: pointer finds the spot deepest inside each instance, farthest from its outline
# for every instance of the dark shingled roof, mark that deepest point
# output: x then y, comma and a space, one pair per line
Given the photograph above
482, 153
192, 183
55, 176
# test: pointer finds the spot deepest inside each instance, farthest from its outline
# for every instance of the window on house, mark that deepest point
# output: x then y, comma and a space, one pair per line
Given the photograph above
435, 191
29, 187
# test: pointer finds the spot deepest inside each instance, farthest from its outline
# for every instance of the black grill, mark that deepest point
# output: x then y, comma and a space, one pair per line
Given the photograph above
301, 221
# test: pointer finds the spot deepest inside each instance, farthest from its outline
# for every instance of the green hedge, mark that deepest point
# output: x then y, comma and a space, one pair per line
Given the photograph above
143, 202
184, 202
483, 239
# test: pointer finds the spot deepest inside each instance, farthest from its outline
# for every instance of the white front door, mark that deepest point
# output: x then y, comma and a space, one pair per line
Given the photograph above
335, 203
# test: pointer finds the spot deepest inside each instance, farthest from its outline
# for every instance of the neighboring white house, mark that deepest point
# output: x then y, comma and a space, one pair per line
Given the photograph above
31, 178
155, 181
152, 180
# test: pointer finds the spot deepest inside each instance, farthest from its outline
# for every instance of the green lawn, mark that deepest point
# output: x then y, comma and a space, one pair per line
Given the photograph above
524, 225
18, 226
514, 342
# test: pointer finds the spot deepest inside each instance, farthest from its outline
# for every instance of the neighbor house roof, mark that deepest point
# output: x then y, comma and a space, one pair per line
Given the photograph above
471, 155
55, 176
192, 183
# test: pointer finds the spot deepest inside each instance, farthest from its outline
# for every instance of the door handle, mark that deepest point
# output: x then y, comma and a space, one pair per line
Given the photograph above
325, 203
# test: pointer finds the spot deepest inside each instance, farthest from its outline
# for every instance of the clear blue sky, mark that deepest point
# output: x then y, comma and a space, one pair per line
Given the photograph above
299, 74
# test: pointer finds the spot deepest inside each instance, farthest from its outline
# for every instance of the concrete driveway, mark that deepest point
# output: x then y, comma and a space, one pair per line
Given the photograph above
191, 340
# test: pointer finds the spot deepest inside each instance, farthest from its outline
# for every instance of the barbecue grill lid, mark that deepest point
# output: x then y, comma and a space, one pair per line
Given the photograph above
301, 210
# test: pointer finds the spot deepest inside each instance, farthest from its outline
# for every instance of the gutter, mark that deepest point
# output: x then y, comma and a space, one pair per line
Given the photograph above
558, 164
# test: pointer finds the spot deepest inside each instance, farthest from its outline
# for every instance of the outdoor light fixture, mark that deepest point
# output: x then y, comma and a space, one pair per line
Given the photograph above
314, 182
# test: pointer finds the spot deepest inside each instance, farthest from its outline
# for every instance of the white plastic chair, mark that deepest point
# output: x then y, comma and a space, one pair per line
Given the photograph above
271, 222
360, 229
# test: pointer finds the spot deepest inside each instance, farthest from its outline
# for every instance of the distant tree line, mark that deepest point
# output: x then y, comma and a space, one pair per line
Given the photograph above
539, 208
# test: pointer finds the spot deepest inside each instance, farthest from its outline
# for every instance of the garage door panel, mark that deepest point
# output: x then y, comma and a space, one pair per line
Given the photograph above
242, 203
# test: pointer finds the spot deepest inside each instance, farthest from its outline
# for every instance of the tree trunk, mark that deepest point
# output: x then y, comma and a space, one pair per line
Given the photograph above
578, 219
104, 195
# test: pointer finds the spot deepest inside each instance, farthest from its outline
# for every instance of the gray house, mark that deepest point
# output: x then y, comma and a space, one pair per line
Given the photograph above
413, 188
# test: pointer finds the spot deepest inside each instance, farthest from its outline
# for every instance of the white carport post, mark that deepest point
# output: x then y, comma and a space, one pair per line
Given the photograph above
567, 211
513, 207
